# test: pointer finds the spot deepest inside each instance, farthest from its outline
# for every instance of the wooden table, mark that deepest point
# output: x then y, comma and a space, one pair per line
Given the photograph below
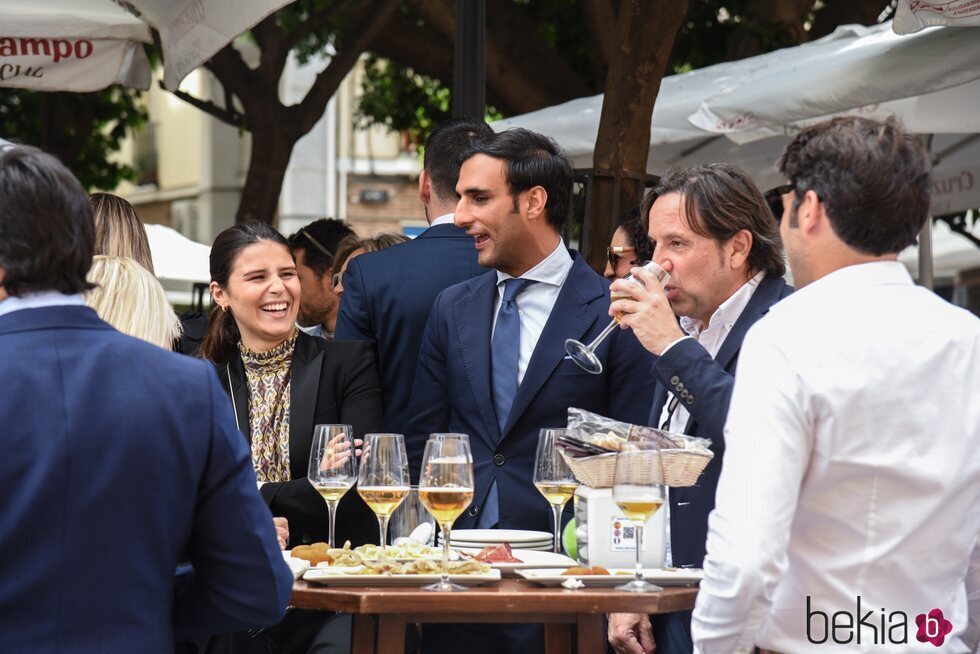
380, 614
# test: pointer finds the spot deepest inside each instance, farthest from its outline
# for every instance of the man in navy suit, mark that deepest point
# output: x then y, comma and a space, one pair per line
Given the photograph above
713, 232
388, 294
493, 362
120, 460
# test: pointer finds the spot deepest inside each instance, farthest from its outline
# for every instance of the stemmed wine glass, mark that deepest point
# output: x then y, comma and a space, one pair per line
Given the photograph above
333, 467
383, 480
638, 490
584, 355
552, 476
446, 489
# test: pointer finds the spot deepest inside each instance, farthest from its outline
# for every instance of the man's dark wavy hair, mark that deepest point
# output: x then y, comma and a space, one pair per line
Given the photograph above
47, 234
532, 159
872, 177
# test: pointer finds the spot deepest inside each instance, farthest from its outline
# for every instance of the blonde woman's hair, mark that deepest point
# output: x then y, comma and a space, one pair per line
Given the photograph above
374, 243
119, 230
130, 299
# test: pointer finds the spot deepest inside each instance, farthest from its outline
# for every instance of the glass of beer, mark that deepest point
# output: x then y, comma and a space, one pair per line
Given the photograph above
446, 489
584, 355
638, 490
383, 480
552, 476
333, 467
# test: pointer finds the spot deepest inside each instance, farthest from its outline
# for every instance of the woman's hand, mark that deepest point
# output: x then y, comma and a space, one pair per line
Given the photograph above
282, 532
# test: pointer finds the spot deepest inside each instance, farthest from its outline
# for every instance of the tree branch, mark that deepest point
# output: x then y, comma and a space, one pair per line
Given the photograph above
310, 109
229, 116
600, 20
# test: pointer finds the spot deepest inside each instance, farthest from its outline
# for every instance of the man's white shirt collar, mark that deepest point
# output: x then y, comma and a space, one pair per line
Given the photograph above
445, 219
728, 311
40, 300
553, 269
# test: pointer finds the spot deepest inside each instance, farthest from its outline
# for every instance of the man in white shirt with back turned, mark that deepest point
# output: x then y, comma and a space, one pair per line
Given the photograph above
846, 516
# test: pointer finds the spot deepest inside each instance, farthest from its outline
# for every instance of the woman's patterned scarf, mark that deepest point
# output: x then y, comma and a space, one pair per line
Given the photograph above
267, 374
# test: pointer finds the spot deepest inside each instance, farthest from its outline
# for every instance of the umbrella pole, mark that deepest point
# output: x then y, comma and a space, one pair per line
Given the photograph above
925, 239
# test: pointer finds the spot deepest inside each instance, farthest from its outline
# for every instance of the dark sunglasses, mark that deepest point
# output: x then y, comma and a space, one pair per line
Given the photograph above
774, 198
615, 252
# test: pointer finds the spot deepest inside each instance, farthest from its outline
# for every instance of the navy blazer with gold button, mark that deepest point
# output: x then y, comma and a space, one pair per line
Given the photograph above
704, 385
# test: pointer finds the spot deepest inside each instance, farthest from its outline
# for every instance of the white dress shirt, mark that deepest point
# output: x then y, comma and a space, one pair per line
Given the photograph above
39, 300
711, 339
444, 219
534, 305
852, 468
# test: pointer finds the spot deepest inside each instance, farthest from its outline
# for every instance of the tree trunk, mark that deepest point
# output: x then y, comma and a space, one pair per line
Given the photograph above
271, 149
645, 33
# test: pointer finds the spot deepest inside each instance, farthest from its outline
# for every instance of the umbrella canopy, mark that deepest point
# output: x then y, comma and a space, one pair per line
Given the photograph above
914, 15
86, 45
744, 112
176, 257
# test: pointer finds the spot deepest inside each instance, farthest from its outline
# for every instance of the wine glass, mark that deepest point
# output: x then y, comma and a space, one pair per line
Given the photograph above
383, 480
552, 476
638, 490
446, 489
584, 355
333, 466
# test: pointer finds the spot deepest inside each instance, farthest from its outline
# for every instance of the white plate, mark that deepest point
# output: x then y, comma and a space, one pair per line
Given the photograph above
547, 544
672, 577
332, 578
529, 559
499, 535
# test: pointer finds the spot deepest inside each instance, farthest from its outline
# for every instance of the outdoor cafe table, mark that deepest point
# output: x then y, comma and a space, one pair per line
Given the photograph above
380, 614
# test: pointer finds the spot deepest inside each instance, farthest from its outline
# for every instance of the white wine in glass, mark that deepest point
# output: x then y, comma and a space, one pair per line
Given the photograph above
552, 476
584, 355
383, 480
639, 492
446, 489
333, 467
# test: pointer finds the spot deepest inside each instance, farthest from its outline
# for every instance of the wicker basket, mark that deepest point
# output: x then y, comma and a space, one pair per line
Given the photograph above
681, 468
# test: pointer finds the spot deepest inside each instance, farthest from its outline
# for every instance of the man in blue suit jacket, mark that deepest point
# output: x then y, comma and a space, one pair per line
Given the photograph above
493, 362
388, 294
714, 233
120, 460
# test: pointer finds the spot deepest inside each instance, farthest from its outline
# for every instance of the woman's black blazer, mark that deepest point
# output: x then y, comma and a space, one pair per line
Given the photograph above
331, 382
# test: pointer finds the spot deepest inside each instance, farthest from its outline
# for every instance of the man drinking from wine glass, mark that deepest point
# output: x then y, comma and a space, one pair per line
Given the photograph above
713, 232
852, 478
493, 363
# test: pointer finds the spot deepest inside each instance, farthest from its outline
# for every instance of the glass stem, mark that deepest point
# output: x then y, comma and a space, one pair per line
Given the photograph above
602, 336
446, 526
332, 510
556, 509
383, 525
639, 552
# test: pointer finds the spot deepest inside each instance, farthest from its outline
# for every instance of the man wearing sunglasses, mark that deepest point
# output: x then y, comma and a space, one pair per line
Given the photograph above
713, 233
315, 248
852, 477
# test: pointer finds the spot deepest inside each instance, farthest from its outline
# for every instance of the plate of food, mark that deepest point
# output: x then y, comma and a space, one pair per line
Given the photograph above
395, 573
318, 553
599, 577
508, 560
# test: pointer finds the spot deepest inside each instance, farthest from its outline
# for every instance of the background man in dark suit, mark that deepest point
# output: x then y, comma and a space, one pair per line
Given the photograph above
493, 362
388, 294
714, 233
315, 248
118, 458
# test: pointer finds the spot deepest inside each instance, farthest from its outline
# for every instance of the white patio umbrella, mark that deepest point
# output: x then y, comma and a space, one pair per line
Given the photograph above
744, 111
176, 257
914, 15
86, 45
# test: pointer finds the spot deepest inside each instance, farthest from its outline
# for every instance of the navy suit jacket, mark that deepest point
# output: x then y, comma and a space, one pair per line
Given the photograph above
688, 366
452, 390
118, 459
387, 299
